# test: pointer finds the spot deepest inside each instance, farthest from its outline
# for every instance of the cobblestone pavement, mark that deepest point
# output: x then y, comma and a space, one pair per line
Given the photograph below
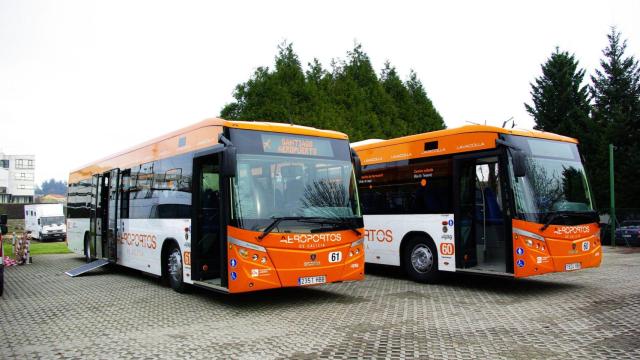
118, 313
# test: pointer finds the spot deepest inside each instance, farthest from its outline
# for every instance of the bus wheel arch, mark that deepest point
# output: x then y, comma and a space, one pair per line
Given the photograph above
419, 257
171, 256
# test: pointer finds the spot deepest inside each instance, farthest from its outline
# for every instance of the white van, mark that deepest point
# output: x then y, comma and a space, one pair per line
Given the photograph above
45, 221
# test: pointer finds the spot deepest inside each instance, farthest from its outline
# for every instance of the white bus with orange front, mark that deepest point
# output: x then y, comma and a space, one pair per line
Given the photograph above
478, 199
227, 205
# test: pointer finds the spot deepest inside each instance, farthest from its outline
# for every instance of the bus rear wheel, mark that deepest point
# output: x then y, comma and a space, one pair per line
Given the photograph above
420, 260
175, 269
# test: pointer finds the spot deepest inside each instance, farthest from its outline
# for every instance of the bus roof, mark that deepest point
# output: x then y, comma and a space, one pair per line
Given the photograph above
197, 136
432, 135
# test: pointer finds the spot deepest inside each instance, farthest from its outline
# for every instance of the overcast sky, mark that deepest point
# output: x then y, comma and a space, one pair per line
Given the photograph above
80, 80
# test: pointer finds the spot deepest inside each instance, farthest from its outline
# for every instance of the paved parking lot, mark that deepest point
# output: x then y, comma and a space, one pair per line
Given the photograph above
119, 313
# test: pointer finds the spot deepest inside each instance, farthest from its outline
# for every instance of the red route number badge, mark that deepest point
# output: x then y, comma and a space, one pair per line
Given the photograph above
447, 249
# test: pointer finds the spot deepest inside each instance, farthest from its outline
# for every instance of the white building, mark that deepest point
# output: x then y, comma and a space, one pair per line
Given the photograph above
17, 182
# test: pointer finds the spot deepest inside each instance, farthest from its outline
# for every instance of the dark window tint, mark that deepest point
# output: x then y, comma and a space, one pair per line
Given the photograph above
414, 187
161, 189
431, 145
80, 199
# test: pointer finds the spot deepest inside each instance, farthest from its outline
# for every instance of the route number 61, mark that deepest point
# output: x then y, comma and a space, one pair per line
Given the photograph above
335, 256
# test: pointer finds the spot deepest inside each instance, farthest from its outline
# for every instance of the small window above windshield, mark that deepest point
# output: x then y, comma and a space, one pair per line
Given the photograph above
554, 149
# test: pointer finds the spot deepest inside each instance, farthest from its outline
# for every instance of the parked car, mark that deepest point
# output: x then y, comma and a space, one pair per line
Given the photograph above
628, 233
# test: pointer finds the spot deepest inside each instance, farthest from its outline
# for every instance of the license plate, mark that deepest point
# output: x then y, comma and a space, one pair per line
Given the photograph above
312, 280
572, 266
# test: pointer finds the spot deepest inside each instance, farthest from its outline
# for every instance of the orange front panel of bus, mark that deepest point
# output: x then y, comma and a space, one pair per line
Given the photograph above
282, 259
558, 248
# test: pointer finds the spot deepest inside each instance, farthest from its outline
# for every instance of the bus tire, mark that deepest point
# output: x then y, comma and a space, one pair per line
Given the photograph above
87, 248
420, 260
175, 269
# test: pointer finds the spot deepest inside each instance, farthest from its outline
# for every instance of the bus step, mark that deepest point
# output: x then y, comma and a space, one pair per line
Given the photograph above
87, 267
213, 284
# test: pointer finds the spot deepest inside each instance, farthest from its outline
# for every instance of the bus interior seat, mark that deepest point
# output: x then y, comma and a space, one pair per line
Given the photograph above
493, 212
294, 186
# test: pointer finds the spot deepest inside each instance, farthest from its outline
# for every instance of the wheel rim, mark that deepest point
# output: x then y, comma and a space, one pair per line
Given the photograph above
175, 266
421, 258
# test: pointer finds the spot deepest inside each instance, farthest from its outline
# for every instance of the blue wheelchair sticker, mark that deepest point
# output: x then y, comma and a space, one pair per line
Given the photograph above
520, 263
234, 275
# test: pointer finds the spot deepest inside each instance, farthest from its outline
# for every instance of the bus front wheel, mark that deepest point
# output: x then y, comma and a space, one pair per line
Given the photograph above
175, 269
420, 260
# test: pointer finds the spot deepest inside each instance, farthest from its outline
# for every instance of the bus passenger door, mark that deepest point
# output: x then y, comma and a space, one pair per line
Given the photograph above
112, 213
206, 223
479, 213
102, 207
95, 237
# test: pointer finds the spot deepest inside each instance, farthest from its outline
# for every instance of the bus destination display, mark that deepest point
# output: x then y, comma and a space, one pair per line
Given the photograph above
280, 144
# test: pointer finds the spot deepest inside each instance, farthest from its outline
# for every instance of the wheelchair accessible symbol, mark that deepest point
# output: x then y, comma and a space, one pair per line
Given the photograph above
520, 263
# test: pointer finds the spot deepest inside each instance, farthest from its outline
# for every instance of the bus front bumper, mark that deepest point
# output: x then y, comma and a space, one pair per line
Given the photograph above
556, 255
294, 267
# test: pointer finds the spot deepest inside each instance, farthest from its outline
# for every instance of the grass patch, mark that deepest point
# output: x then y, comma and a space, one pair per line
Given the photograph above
39, 248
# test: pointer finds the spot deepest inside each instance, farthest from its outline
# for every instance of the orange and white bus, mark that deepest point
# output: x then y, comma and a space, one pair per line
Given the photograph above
226, 205
477, 199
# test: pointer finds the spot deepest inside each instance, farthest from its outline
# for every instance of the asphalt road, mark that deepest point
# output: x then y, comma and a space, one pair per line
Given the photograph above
119, 313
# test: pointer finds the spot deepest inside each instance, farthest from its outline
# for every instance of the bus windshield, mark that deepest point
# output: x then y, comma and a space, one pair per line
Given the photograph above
293, 177
555, 183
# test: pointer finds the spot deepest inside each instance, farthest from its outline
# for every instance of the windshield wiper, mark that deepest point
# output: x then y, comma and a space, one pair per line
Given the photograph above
556, 214
338, 221
275, 222
315, 220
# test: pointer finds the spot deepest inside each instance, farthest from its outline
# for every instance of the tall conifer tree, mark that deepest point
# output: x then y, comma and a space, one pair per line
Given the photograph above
616, 93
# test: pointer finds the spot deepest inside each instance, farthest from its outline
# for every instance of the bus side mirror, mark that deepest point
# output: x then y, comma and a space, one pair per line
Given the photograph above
229, 161
519, 166
357, 165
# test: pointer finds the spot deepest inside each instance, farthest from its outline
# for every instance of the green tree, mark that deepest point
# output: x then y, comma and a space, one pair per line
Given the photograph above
560, 100
616, 111
561, 104
349, 97
423, 116
271, 95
